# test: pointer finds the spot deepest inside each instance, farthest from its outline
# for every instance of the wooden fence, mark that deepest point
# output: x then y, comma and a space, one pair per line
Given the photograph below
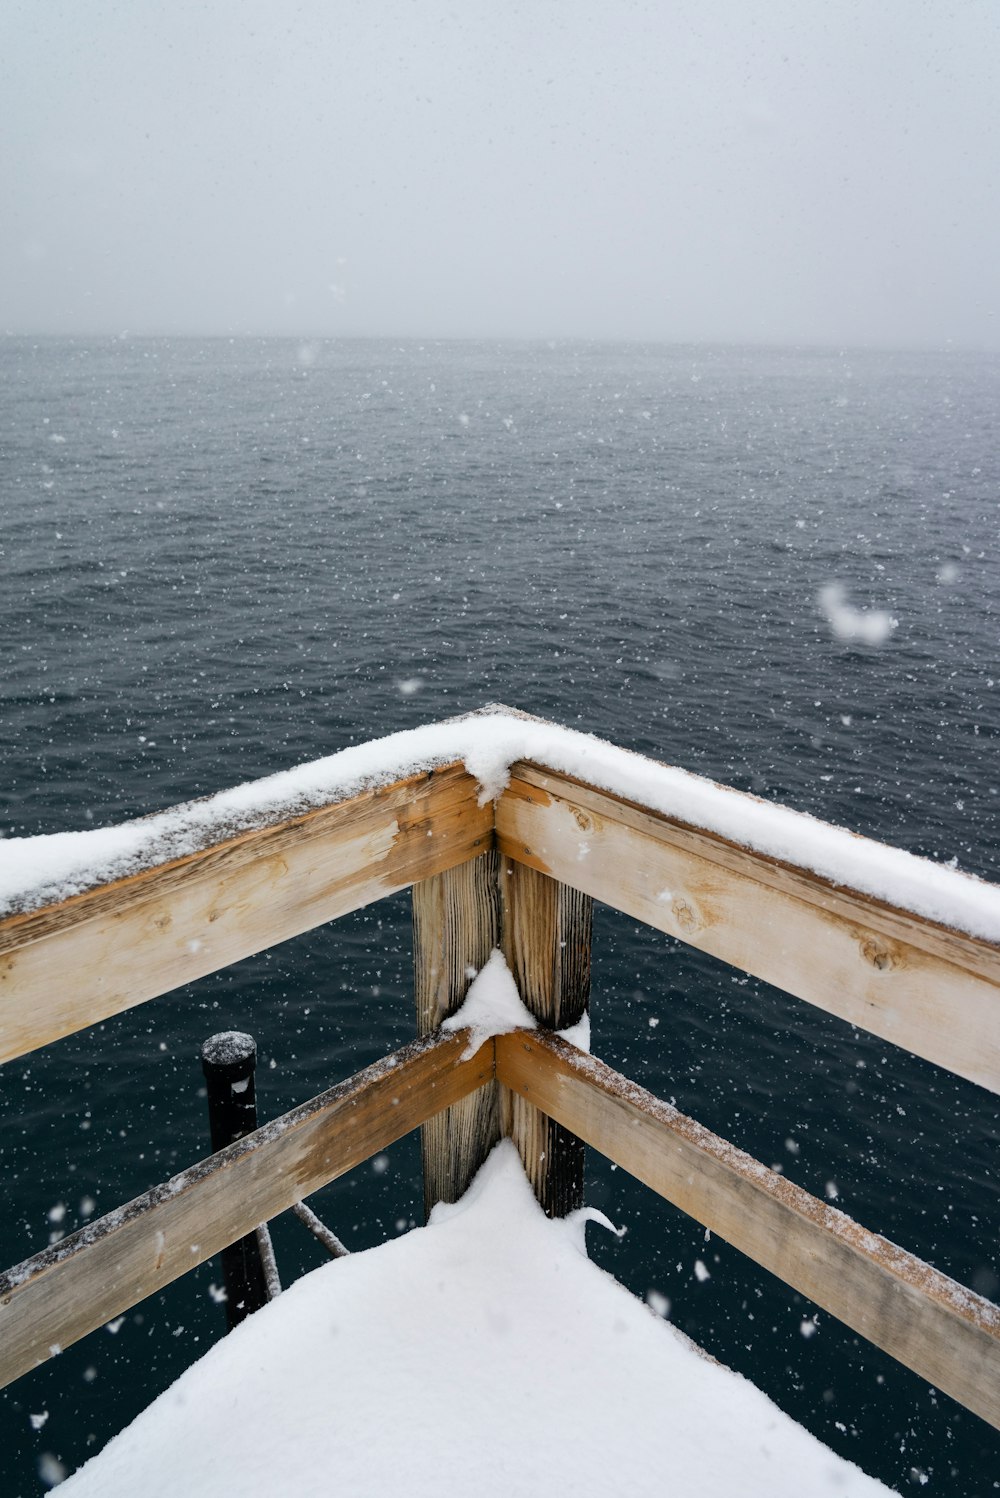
511, 875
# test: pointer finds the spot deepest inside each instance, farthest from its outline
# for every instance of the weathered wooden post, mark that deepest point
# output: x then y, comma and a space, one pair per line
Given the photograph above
546, 932
228, 1061
456, 925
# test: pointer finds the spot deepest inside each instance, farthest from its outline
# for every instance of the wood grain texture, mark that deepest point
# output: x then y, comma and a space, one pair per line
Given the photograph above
546, 932
957, 947
68, 966
932, 991
456, 925
62, 1294
945, 1333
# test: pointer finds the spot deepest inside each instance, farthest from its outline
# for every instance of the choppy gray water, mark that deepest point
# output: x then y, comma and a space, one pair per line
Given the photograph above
220, 558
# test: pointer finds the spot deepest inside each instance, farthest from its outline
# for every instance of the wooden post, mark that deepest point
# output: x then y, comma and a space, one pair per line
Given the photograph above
456, 925
228, 1061
546, 929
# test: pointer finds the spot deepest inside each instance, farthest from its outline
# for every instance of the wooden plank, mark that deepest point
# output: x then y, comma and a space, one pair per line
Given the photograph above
62, 1294
456, 925
70, 965
945, 1333
932, 991
546, 942
896, 924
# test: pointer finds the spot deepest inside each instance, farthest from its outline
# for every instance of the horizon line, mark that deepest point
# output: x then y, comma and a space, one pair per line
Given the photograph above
819, 344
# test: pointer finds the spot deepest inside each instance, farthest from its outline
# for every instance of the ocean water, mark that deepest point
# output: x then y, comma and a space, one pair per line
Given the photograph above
220, 558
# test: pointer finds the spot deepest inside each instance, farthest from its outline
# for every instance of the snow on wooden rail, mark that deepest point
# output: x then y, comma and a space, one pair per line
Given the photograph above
895, 944
69, 965
925, 987
38, 871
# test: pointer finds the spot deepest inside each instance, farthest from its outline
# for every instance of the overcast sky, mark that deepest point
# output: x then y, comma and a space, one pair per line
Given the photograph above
782, 171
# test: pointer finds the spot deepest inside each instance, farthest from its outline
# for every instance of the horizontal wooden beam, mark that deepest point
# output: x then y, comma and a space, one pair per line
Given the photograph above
945, 1333
933, 991
52, 1300
67, 966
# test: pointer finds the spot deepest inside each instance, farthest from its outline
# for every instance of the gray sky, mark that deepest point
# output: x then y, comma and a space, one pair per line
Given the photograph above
763, 170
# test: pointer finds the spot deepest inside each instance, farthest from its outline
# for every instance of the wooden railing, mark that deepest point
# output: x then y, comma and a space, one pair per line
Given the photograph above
518, 874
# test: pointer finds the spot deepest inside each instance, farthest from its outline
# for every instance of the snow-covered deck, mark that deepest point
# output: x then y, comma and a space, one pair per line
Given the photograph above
483, 1354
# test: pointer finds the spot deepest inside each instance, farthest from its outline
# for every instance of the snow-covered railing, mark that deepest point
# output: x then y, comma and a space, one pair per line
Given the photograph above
506, 828
947, 1334
67, 965
87, 1279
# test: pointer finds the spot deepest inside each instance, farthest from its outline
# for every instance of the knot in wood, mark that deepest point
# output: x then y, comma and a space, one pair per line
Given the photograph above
876, 953
684, 915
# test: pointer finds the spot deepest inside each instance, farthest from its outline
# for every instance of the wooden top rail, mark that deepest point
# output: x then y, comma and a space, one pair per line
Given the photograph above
945, 1333
59, 1296
68, 966
931, 990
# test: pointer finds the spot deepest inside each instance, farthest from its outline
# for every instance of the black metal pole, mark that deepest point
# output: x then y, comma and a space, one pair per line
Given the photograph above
228, 1061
